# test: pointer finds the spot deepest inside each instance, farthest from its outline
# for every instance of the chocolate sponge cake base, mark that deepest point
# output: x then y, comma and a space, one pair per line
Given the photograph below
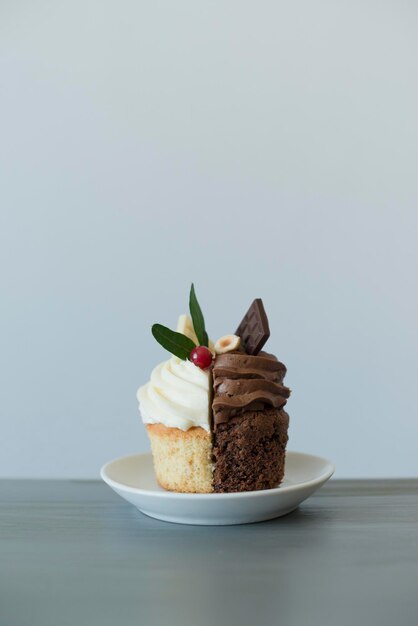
249, 451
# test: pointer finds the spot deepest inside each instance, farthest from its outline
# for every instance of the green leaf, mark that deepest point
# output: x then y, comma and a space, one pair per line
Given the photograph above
198, 319
176, 343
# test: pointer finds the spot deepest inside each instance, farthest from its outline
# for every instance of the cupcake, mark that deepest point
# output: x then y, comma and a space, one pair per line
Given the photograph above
214, 413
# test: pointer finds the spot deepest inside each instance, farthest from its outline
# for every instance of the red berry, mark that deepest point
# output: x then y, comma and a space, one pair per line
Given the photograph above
201, 357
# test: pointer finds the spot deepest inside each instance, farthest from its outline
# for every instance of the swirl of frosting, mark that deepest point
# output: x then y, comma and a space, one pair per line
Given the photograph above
177, 396
243, 382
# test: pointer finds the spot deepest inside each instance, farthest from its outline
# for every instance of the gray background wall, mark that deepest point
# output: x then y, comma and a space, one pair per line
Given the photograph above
258, 148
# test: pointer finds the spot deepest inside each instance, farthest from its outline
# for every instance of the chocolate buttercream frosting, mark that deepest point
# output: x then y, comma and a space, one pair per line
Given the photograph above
244, 382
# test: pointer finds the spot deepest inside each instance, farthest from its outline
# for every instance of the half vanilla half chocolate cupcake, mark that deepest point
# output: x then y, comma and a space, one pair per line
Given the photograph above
215, 413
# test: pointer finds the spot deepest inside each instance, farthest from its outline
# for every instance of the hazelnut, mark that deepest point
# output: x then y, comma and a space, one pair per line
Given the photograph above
227, 343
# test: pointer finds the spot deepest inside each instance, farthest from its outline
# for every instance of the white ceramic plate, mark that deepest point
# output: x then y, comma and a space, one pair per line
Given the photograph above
133, 478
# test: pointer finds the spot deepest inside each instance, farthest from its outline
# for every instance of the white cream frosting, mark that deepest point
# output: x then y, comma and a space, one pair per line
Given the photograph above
177, 396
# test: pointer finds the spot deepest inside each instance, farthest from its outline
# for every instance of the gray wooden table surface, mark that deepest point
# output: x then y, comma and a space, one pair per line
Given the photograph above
74, 553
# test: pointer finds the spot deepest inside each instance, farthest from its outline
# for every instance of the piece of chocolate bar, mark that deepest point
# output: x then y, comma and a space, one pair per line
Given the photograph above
254, 329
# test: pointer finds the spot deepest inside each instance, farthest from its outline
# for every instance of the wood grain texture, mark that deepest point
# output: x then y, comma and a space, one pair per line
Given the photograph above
74, 554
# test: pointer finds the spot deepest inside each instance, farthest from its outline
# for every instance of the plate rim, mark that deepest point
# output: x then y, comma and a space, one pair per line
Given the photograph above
216, 496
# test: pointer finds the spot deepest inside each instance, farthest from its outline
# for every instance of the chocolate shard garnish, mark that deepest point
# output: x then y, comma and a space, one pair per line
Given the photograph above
254, 329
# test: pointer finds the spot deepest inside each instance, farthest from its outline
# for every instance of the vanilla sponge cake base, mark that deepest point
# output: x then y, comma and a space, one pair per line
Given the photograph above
182, 459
